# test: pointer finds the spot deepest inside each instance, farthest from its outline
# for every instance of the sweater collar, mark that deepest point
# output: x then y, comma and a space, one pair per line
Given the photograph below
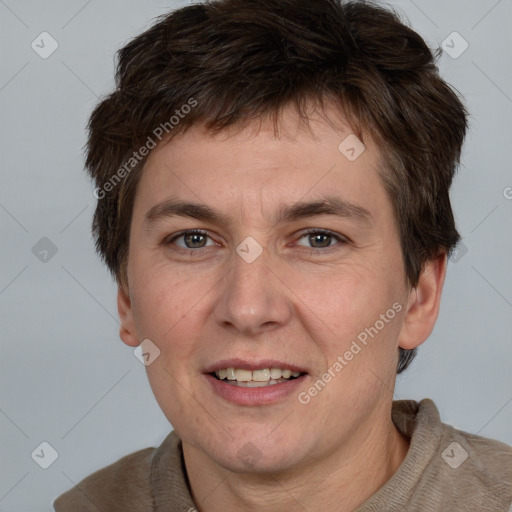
419, 421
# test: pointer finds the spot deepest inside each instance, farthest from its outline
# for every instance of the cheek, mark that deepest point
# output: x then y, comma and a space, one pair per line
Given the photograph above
166, 306
351, 296
166, 311
364, 306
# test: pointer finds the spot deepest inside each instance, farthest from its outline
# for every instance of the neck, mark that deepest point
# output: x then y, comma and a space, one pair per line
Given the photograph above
339, 482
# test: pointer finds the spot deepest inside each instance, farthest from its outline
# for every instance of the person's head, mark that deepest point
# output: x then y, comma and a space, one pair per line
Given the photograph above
250, 109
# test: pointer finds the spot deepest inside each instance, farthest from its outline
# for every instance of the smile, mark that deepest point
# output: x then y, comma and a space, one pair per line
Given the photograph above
255, 378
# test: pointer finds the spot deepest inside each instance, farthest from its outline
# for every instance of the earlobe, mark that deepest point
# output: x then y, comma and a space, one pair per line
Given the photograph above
127, 331
423, 304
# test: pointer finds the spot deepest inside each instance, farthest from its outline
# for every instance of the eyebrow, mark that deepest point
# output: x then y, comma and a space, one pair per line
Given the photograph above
329, 205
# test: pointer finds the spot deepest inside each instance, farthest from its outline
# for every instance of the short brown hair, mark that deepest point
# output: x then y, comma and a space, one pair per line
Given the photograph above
235, 61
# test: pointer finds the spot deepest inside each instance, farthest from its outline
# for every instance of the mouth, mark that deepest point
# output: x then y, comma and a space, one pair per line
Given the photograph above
254, 383
255, 378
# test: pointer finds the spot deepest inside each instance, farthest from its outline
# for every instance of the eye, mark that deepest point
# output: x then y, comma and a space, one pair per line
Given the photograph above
193, 239
321, 239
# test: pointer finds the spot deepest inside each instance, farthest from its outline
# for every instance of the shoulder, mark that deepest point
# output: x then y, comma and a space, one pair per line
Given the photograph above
487, 462
473, 470
123, 485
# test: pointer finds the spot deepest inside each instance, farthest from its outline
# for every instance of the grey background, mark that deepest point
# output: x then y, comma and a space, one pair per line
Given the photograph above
65, 376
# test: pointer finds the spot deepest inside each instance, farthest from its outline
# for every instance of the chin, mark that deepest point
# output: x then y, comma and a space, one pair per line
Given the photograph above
246, 456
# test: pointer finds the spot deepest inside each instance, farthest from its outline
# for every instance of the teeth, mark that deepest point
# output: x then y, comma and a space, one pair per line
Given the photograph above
254, 384
243, 375
275, 373
261, 375
265, 375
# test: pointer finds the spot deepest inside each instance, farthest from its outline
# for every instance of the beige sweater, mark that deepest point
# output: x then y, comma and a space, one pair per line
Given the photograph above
445, 470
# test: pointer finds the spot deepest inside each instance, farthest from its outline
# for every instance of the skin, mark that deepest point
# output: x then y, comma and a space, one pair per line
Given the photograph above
207, 304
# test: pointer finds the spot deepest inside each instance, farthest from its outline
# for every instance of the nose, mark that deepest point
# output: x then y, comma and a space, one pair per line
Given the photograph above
253, 297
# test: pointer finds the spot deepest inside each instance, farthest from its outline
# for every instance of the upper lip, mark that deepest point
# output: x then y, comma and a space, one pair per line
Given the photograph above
244, 364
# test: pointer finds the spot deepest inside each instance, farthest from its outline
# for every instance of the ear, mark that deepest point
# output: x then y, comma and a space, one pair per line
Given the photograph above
127, 331
423, 304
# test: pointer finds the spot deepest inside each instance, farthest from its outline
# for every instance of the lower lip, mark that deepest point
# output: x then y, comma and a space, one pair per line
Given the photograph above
254, 396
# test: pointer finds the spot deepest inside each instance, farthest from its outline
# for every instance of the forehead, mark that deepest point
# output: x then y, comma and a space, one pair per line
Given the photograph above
256, 167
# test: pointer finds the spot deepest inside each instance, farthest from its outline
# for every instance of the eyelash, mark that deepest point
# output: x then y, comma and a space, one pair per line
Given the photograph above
313, 251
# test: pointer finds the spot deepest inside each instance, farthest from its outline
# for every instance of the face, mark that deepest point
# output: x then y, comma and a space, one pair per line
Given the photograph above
295, 265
